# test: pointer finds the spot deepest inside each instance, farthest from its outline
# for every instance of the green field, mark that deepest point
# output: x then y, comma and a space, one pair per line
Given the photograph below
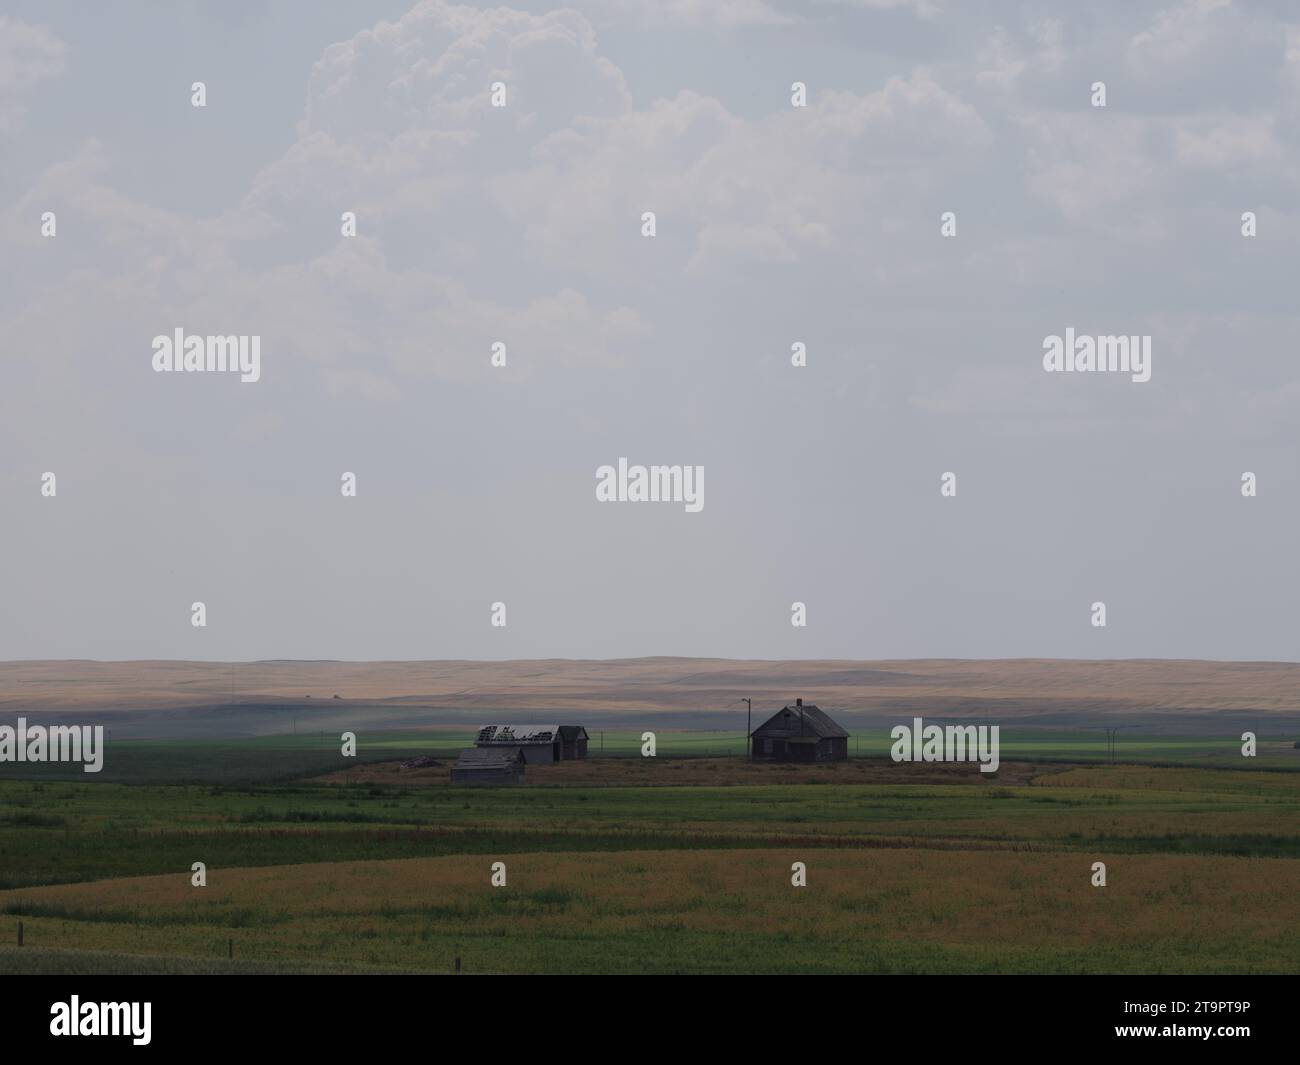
622, 864
290, 757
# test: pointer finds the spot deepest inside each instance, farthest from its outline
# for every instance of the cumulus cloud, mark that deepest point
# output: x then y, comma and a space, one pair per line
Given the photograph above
522, 225
28, 55
721, 13
735, 190
432, 68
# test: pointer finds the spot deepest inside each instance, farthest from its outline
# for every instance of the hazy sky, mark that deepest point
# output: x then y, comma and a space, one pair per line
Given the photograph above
522, 225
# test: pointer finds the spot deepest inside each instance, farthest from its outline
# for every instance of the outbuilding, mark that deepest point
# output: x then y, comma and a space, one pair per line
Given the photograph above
573, 742
487, 765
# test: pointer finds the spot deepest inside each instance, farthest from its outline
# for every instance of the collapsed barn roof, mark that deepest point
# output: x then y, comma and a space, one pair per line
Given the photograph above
513, 735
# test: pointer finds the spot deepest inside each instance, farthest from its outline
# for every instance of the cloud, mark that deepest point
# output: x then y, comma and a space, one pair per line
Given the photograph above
478, 223
28, 55
522, 225
702, 13
398, 127
927, 9
432, 69
394, 127
729, 190
1202, 52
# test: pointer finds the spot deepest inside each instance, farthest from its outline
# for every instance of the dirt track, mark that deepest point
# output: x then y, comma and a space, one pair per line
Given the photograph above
716, 772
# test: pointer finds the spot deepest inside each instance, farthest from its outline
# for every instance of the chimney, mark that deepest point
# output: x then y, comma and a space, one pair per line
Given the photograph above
798, 702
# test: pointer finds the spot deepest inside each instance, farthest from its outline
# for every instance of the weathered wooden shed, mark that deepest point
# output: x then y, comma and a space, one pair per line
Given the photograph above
489, 765
573, 742
799, 733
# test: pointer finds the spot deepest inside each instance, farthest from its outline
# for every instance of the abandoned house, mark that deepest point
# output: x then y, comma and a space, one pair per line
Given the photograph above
489, 765
538, 743
799, 733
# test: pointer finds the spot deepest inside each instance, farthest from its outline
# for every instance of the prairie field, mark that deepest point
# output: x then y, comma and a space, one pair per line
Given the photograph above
695, 910
260, 697
674, 864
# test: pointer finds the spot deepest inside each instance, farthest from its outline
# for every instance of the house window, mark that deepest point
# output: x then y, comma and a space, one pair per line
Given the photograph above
767, 746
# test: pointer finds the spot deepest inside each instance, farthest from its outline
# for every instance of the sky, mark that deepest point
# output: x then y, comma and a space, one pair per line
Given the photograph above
774, 225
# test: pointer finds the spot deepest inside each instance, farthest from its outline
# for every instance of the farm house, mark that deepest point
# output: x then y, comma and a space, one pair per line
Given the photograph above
488, 765
799, 733
539, 744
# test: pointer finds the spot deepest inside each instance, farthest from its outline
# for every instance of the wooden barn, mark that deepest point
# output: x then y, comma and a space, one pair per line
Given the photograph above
489, 765
539, 744
799, 733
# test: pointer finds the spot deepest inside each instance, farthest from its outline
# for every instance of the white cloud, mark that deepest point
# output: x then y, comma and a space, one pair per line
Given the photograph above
433, 68
723, 13
476, 225
28, 55
1179, 37
1229, 141
927, 9
729, 190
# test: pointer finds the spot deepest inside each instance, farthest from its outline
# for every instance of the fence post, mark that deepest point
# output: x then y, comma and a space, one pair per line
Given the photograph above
230, 949
458, 963
20, 933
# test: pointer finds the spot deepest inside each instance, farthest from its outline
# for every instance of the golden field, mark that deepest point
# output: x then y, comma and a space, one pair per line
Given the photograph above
877, 910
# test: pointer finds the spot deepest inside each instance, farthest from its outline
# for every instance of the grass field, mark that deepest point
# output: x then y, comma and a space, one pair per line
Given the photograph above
886, 910
677, 864
559, 687
292, 757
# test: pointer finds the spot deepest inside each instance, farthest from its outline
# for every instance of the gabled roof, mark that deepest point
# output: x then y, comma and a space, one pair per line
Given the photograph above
489, 758
517, 734
785, 723
569, 733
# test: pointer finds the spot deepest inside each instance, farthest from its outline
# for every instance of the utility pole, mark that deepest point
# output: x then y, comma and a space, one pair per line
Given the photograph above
1112, 743
749, 714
